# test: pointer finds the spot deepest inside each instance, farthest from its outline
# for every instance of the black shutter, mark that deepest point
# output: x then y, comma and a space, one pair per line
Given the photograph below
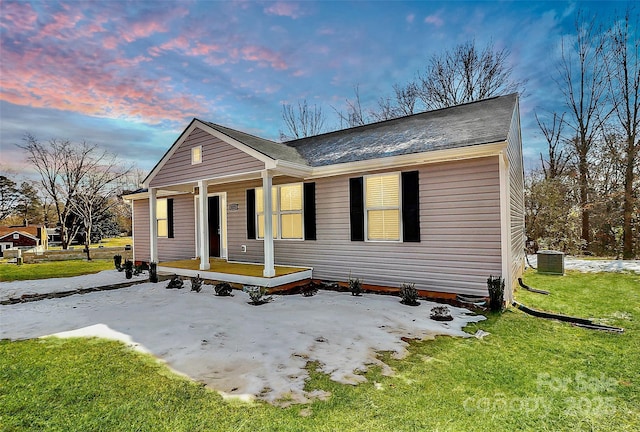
356, 208
410, 207
309, 209
251, 214
170, 217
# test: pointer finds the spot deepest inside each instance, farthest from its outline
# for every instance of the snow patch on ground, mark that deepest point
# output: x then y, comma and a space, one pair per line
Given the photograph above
44, 286
241, 350
594, 266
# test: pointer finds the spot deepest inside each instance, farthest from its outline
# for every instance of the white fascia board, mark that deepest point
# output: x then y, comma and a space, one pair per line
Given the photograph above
145, 195
290, 168
22, 233
198, 124
460, 153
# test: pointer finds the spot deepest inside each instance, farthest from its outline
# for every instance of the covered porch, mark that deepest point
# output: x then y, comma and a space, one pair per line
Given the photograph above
236, 272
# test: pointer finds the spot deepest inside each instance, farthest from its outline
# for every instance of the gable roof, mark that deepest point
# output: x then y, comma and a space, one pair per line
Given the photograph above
476, 123
28, 231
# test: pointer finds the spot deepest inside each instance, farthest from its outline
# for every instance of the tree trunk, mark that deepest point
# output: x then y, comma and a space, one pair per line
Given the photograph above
87, 241
627, 247
584, 201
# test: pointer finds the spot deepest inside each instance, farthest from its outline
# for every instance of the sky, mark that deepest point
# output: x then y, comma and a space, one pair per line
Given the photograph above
129, 76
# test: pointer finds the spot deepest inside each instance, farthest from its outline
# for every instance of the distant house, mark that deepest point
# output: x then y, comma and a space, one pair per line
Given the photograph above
23, 237
434, 199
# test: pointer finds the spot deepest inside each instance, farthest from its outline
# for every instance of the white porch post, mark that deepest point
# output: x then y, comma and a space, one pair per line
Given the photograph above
153, 226
203, 221
269, 268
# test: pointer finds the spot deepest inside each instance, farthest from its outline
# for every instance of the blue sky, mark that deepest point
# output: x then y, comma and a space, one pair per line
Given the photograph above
130, 76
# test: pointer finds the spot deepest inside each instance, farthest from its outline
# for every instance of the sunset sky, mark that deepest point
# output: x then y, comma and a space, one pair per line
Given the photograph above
130, 76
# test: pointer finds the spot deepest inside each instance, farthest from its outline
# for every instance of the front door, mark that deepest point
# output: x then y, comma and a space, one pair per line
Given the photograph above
214, 226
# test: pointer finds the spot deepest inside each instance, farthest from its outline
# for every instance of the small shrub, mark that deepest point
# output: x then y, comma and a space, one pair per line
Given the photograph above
128, 269
175, 283
309, 290
257, 295
117, 262
355, 286
196, 284
496, 293
441, 313
409, 294
138, 269
223, 289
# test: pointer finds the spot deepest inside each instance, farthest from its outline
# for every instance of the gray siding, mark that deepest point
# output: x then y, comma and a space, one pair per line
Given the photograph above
218, 159
460, 233
516, 195
181, 246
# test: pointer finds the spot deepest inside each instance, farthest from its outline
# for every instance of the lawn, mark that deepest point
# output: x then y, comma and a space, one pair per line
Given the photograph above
53, 269
528, 374
106, 242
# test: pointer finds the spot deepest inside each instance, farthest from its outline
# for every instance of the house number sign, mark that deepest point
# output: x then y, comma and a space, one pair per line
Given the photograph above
233, 207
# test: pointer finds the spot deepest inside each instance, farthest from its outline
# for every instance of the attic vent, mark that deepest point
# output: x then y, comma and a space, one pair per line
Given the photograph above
551, 262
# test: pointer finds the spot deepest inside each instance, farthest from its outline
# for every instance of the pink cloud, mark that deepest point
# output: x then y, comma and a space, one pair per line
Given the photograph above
142, 30
18, 16
263, 55
434, 20
291, 10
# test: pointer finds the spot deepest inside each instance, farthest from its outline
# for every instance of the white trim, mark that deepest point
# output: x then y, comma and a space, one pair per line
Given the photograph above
203, 229
145, 195
199, 160
20, 233
153, 227
366, 209
225, 138
269, 265
133, 232
222, 214
267, 282
505, 226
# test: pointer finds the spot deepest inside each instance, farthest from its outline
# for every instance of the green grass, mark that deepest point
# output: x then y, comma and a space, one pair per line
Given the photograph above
52, 269
529, 374
107, 242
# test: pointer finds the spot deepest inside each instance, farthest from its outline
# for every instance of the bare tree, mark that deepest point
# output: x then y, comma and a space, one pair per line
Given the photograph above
95, 193
558, 159
64, 170
303, 122
581, 77
623, 78
402, 103
355, 115
466, 74
9, 196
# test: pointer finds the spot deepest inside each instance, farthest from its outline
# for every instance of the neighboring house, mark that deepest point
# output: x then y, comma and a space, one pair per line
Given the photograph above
434, 199
23, 237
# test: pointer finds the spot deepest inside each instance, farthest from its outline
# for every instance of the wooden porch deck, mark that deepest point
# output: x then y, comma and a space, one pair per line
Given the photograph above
236, 272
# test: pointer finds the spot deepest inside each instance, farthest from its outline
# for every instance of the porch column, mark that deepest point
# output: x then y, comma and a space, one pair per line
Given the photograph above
153, 226
203, 221
269, 268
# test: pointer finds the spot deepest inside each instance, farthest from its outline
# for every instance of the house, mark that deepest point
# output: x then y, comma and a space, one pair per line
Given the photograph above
434, 199
23, 237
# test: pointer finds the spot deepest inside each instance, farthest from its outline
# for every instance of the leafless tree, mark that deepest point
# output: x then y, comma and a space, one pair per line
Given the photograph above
558, 159
581, 77
466, 74
301, 122
67, 173
623, 78
402, 103
355, 116
97, 192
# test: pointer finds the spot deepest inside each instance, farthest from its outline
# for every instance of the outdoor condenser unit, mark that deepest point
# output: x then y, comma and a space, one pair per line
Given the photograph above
550, 262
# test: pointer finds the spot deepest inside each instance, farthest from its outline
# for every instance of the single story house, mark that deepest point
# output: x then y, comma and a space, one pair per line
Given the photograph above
22, 237
435, 199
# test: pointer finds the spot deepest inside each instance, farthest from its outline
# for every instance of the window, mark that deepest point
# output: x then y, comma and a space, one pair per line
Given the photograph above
162, 218
382, 207
196, 155
286, 209
16, 236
